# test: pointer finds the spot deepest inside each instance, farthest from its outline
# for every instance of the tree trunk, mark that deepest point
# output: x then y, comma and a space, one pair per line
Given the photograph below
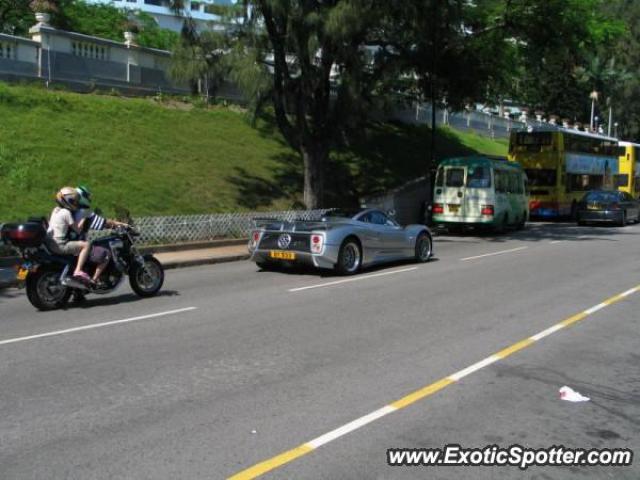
314, 158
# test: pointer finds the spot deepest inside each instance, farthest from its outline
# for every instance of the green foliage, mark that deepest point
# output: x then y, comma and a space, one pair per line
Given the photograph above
100, 20
557, 38
201, 60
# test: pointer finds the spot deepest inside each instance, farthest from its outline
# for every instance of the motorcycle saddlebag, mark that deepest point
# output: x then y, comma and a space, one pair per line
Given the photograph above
23, 235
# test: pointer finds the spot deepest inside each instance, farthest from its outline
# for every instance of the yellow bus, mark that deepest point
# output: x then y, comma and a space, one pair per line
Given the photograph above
629, 165
561, 164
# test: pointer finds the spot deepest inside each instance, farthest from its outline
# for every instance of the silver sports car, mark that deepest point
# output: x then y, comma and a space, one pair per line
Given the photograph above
341, 240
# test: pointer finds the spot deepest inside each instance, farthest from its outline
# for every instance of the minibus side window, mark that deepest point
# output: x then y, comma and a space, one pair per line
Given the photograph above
455, 177
439, 181
500, 181
479, 177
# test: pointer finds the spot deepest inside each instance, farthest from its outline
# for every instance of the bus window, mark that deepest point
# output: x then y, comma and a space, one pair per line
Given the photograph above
454, 177
541, 177
479, 177
582, 183
533, 138
621, 180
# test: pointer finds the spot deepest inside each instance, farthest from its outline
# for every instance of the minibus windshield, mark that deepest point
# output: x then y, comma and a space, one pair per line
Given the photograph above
479, 177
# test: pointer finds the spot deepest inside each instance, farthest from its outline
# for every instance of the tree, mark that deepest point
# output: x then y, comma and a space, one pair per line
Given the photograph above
201, 61
555, 39
319, 56
15, 17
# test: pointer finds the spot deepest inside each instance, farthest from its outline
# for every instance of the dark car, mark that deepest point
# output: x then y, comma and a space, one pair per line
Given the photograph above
608, 206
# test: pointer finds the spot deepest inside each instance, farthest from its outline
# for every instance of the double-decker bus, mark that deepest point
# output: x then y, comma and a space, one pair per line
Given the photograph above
561, 164
629, 165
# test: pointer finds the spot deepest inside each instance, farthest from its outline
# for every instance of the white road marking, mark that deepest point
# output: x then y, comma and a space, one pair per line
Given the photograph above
546, 332
629, 292
94, 325
595, 308
556, 241
352, 279
351, 426
474, 368
493, 253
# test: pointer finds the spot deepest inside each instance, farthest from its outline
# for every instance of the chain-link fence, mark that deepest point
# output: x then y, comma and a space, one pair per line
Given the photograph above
193, 228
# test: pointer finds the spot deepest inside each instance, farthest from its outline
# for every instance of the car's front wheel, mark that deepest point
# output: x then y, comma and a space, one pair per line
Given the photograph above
424, 247
349, 257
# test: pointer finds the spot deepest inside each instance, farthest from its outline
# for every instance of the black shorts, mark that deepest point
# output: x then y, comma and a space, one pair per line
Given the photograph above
99, 255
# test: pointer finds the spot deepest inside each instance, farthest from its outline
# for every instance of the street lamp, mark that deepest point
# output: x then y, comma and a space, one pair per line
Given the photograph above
594, 98
615, 129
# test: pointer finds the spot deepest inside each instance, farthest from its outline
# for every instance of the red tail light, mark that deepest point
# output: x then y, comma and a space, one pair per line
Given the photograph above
487, 210
317, 243
438, 208
254, 240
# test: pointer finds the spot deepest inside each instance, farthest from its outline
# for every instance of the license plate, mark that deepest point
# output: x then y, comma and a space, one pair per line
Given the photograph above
22, 273
454, 208
282, 255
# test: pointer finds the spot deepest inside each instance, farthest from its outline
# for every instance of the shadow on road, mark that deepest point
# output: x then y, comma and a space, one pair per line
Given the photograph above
93, 301
323, 273
539, 232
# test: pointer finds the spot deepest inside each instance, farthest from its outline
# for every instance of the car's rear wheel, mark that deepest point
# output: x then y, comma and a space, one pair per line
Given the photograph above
349, 258
623, 219
424, 247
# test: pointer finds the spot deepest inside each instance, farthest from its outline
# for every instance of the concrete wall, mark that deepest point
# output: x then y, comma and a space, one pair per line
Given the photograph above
68, 57
408, 201
18, 56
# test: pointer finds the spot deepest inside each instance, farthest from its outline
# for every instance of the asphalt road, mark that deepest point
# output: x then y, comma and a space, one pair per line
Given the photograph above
231, 367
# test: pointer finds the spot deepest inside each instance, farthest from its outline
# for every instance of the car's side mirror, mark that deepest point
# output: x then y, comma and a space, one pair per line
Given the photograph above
391, 213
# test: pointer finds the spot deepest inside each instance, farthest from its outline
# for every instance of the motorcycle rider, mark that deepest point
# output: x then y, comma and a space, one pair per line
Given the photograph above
61, 224
89, 220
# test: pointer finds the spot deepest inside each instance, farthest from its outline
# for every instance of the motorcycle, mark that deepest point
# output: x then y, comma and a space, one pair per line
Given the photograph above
48, 276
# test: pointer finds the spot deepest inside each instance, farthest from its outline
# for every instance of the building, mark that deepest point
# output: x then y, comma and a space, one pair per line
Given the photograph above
204, 12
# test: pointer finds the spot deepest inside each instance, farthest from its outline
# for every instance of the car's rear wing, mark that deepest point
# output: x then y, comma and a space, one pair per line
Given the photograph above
275, 224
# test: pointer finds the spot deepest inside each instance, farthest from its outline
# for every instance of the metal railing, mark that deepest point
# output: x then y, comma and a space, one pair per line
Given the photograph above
193, 228
481, 123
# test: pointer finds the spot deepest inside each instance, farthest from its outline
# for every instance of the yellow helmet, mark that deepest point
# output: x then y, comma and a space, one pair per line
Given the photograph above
68, 197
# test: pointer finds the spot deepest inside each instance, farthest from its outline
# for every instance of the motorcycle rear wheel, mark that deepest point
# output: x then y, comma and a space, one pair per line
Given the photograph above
146, 280
45, 292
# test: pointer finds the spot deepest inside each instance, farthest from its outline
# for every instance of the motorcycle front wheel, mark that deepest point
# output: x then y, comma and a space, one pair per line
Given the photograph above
147, 279
45, 292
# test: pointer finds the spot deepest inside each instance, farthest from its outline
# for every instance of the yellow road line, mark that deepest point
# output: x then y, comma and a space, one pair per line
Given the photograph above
504, 353
290, 455
275, 462
422, 393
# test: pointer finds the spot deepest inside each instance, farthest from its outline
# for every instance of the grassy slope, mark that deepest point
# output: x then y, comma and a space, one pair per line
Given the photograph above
157, 160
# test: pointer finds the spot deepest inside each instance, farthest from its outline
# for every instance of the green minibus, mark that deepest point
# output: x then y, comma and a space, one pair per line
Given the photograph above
480, 191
